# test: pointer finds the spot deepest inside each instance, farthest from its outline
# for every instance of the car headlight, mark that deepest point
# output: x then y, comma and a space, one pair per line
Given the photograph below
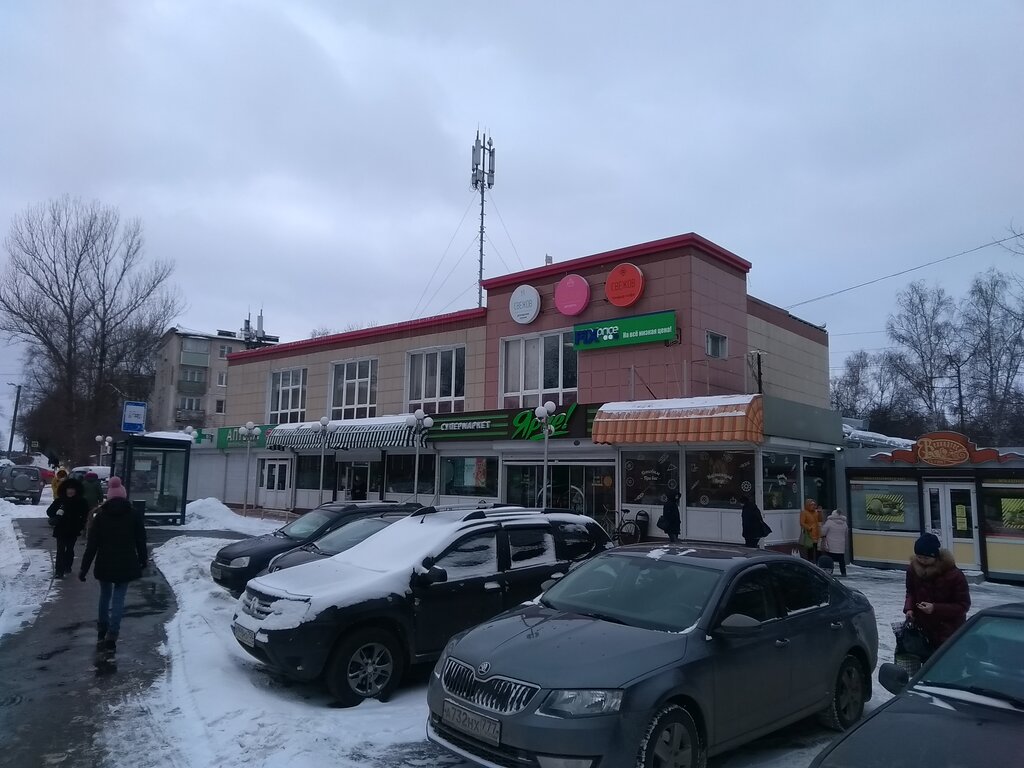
581, 703
444, 656
239, 562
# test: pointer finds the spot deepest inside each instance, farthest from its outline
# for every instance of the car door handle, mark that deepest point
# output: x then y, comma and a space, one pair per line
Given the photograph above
836, 625
490, 586
782, 643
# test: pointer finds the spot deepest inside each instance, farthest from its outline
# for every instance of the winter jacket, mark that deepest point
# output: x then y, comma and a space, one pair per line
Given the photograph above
834, 533
670, 517
754, 526
117, 540
68, 513
93, 492
943, 585
58, 478
809, 521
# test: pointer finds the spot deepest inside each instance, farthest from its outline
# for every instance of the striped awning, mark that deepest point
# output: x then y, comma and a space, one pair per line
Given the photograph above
380, 432
720, 419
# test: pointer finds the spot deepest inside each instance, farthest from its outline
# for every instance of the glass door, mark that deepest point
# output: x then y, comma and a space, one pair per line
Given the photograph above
274, 487
952, 516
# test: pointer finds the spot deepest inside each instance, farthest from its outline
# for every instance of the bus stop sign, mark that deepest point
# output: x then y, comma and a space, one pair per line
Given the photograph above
133, 418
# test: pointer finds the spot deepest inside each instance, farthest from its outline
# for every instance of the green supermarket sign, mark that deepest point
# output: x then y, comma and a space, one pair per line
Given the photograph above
623, 331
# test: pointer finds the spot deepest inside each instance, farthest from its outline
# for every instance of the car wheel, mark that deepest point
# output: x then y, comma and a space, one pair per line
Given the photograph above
672, 740
847, 703
367, 664
35, 500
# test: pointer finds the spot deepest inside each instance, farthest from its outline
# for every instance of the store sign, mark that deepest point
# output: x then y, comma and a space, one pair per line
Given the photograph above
570, 421
228, 437
622, 331
945, 449
625, 285
524, 304
572, 295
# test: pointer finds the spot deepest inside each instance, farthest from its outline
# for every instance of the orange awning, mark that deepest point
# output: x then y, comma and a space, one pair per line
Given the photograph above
718, 419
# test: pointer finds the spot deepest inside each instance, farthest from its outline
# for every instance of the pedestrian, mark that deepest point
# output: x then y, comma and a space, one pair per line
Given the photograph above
67, 514
117, 541
754, 526
938, 597
59, 477
670, 521
833, 538
810, 530
112, 483
92, 489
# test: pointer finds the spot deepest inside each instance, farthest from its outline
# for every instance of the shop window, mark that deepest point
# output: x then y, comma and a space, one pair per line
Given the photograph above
649, 477
1003, 512
287, 396
355, 390
880, 506
819, 481
537, 369
719, 479
717, 345
307, 473
780, 481
437, 381
469, 476
401, 473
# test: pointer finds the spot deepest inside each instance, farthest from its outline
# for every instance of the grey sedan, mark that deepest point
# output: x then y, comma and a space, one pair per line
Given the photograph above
656, 656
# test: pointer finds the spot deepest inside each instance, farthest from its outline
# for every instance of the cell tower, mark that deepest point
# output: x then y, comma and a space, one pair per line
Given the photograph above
483, 179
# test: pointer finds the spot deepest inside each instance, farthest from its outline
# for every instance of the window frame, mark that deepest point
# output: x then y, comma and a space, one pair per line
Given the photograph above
222, 378
224, 350
760, 569
720, 340
545, 531
809, 573
432, 403
499, 557
220, 406
195, 399
540, 393
274, 415
372, 381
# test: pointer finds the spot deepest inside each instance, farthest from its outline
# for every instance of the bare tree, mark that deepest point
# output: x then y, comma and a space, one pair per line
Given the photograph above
321, 331
850, 390
79, 292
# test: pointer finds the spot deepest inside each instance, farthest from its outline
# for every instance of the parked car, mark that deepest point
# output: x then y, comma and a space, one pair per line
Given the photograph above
102, 473
336, 541
240, 561
965, 706
360, 618
21, 483
653, 655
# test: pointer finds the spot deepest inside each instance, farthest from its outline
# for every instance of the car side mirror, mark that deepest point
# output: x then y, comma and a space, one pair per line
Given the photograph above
893, 678
435, 575
545, 586
738, 625
427, 562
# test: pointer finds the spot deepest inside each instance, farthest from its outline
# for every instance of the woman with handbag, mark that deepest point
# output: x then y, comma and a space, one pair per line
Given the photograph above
810, 531
754, 526
670, 521
938, 597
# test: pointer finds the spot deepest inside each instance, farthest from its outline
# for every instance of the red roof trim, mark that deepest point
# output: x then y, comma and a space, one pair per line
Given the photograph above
643, 249
364, 334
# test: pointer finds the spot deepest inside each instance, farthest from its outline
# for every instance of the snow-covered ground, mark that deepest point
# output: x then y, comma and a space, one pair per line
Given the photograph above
217, 706
212, 515
25, 574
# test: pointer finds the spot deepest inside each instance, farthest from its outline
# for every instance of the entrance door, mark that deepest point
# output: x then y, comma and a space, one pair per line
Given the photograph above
274, 488
953, 518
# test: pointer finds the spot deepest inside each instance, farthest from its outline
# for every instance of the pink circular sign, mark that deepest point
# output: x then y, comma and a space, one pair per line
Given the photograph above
572, 294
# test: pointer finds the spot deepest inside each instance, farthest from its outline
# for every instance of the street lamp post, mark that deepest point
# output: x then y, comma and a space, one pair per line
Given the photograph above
249, 433
419, 422
103, 443
324, 428
544, 414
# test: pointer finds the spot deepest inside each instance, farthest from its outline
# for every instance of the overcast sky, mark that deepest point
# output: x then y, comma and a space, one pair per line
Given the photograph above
312, 158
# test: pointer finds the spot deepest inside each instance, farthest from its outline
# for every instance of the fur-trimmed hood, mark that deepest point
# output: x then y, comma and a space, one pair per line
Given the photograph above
943, 563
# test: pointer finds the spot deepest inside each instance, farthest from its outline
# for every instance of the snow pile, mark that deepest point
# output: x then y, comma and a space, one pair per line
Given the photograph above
24, 573
217, 706
212, 515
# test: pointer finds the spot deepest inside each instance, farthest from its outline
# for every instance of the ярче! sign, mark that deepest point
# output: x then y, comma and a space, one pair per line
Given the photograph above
622, 331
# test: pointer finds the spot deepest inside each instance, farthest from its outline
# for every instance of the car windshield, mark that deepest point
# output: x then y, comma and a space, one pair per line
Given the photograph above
349, 535
986, 660
308, 524
640, 591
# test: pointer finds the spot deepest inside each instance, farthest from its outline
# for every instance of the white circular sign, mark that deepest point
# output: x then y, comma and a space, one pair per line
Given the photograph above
524, 304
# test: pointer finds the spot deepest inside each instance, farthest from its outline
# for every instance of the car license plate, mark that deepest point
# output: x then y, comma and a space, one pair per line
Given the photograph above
245, 635
484, 728
216, 572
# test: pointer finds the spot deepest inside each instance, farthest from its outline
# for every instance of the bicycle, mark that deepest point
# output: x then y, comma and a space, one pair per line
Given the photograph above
628, 532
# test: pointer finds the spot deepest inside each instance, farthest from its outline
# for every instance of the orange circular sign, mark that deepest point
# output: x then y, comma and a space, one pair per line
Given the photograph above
625, 284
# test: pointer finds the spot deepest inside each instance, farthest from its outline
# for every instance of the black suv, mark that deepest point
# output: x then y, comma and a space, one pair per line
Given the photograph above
336, 541
238, 562
22, 483
358, 619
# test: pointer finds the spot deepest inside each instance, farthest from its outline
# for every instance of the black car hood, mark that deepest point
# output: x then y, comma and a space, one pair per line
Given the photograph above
556, 649
918, 730
298, 557
260, 547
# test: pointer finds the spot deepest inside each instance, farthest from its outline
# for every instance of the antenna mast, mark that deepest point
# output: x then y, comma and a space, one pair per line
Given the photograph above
483, 179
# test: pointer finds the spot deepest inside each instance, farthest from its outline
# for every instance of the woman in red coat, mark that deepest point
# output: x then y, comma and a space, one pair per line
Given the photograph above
937, 594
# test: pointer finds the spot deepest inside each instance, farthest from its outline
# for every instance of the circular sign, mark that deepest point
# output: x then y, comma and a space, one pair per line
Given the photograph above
625, 284
524, 304
572, 294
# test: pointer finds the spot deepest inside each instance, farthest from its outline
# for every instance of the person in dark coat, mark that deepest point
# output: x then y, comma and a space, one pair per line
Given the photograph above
92, 489
938, 597
117, 541
67, 514
670, 521
754, 526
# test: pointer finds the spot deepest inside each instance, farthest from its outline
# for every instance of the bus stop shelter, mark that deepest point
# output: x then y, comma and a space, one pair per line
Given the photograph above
154, 470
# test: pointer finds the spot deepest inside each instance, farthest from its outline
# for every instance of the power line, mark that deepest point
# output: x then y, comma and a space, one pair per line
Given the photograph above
904, 271
464, 292
450, 273
501, 218
437, 266
498, 253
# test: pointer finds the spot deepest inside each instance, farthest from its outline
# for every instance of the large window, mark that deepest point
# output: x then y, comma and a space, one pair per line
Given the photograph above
537, 369
355, 390
195, 345
437, 380
1003, 511
197, 375
780, 481
401, 473
649, 477
819, 481
190, 403
885, 506
469, 476
719, 479
288, 396
307, 473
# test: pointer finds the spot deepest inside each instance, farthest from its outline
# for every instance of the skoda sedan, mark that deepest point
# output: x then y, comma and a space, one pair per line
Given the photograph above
656, 656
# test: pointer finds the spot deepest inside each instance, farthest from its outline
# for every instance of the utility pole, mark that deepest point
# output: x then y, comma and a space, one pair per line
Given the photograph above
483, 179
14, 418
958, 364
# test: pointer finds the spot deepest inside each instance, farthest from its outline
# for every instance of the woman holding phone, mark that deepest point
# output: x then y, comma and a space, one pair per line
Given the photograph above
938, 597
